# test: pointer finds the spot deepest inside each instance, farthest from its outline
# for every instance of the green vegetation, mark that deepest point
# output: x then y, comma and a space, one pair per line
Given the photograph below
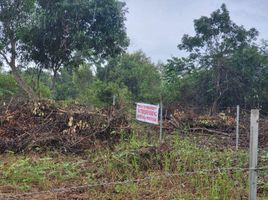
75, 51
137, 73
135, 159
55, 34
88, 64
223, 68
24, 173
225, 65
8, 86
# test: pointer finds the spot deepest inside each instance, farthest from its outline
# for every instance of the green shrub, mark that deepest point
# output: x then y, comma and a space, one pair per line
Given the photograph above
8, 85
100, 94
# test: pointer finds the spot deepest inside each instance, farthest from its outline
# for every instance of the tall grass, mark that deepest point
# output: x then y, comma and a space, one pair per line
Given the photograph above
132, 159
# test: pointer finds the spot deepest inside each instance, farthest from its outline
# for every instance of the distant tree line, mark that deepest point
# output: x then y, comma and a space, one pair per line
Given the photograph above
225, 67
76, 51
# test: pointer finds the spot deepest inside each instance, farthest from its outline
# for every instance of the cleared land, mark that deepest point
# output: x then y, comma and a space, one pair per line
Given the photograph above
186, 166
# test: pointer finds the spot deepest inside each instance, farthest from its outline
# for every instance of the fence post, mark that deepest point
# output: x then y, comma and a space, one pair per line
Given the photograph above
237, 127
161, 121
253, 154
114, 100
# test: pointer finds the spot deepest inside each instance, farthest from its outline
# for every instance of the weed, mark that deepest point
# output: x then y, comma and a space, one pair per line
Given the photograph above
126, 162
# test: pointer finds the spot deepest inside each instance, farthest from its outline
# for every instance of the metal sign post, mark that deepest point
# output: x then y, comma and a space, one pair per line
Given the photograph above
161, 122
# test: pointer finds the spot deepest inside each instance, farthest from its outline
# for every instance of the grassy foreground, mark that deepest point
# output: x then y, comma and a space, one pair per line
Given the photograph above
179, 169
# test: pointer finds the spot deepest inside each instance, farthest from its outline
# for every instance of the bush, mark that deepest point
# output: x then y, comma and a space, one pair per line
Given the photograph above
44, 91
100, 94
8, 86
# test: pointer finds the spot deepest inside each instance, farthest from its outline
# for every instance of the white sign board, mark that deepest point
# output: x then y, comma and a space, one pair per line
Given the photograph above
147, 113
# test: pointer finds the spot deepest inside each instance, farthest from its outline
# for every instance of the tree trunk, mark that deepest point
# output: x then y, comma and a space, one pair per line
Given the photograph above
38, 81
23, 85
215, 106
21, 82
54, 79
218, 88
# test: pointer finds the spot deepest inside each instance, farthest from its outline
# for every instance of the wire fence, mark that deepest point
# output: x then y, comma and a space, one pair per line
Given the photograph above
125, 182
262, 130
243, 126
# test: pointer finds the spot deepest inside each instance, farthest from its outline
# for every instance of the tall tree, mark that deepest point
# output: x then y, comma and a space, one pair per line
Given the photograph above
69, 31
14, 17
135, 71
217, 38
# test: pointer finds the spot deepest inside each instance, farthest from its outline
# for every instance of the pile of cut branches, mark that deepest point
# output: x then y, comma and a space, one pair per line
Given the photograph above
45, 126
221, 123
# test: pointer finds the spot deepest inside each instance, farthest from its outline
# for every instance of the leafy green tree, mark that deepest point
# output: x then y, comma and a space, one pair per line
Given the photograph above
135, 71
101, 94
216, 40
67, 31
72, 82
83, 77
185, 85
15, 15
249, 83
65, 87
40, 85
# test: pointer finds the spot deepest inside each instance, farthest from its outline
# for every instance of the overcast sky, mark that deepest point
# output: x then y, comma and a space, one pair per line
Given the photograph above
157, 26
